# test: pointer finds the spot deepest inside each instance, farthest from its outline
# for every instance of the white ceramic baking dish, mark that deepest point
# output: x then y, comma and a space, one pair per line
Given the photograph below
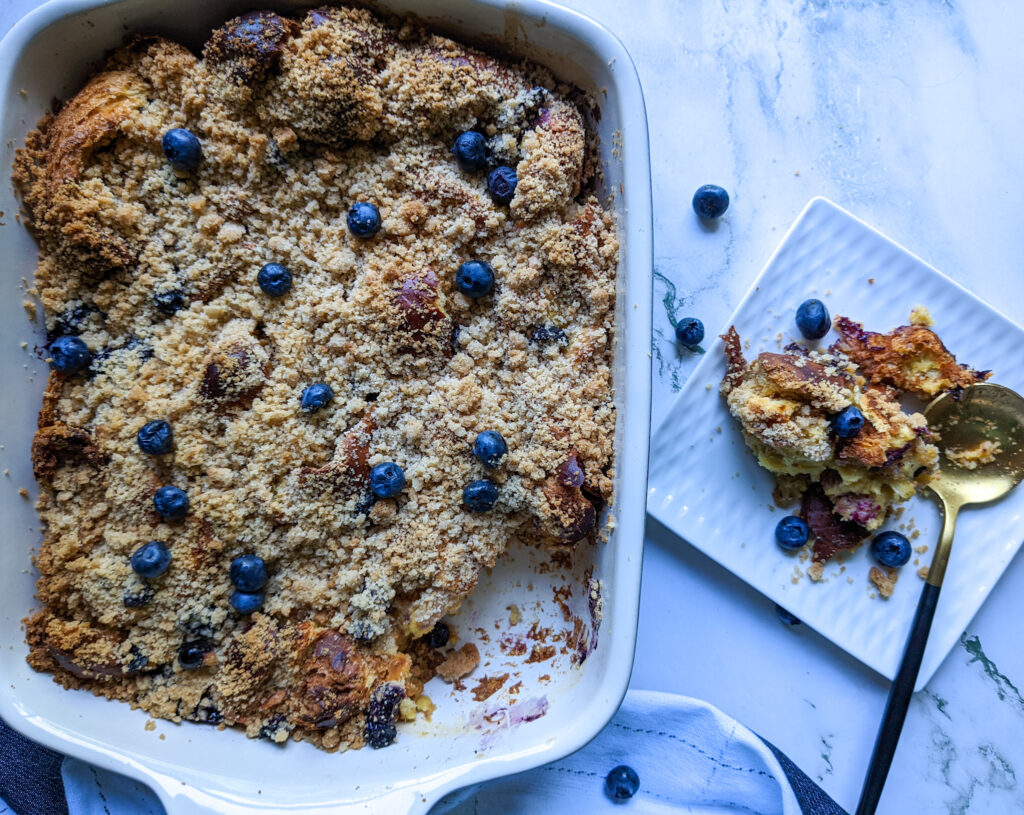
194, 768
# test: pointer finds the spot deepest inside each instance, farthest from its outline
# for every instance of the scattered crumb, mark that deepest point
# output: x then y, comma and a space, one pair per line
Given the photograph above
921, 549
816, 572
871, 281
923, 572
884, 580
23, 492
150, 725
514, 614
30, 309
919, 315
488, 686
970, 458
459, 664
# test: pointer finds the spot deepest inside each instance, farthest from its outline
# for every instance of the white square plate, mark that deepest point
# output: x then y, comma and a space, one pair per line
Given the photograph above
707, 488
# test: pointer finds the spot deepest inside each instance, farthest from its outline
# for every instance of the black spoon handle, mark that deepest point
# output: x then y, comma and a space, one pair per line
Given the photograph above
899, 700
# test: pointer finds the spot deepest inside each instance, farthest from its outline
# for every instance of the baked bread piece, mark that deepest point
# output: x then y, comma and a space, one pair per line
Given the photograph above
155, 270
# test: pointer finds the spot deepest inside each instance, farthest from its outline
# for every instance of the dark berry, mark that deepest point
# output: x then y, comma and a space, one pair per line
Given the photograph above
190, 655
490, 448
785, 616
171, 503
544, 334
387, 480
316, 396
155, 438
848, 422
710, 201
363, 220
381, 715
470, 151
690, 332
248, 573
621, 783
791, 533
151, 559
182, 149
274, 726
246, 602
813, 320
438, 636
139, 598
475, 278
891, 549
71, 321
480, 496
169, 302
274, 279
68, 354
501, 184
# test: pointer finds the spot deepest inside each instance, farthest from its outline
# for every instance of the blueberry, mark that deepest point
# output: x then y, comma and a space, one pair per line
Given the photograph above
137, 599
169, 302
151, 559
438, 636
501, 184
171, 503
621, 783
190, 655
479, 496
316, 396
470, 151
248, 573
475, 278
182, 149
246, 602
544, 334
710, 201
363, 220
813, 320
785, 616
274, 279
791, 533
891, 549
690, 332
155, 438
381, 715
490, 448
387, 480
848, 422
68, 354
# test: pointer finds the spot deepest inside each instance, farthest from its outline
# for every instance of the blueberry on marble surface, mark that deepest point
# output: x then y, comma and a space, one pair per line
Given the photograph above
480, 496
475, 278
248, 573
387, 479
891, 549
171, 503
470, 151
151, 559
621, 783
848, 422
155, 438
316, 396
363, 220
439, 635
246, 602
791, 533
191, 654
274, 279
501, 184
690, 332
490, 448
182, 149
169, 302
68, 354
710, 201
813, 319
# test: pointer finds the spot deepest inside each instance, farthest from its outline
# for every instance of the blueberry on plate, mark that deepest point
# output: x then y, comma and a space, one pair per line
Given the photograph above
501, 184
438, 636
387, 480
690, 332
182, 149
710, 201
480, 496
248, 573
813, 319
621, 783
155, 438
169, 302
891, 549
785, 616
475, 278
791, 533
363, 220
246, 602
470, 151
68, 354
191, 654
171, 503
490, 448
274, 279
151, 559
848, 422
316, 396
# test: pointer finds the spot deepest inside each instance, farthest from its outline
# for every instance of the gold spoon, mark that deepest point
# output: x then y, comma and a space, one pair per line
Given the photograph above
963, 421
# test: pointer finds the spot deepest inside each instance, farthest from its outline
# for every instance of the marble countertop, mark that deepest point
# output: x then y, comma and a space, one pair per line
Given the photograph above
907, 114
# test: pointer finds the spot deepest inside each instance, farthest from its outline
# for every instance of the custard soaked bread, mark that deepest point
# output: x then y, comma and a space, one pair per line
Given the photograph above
281, 312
